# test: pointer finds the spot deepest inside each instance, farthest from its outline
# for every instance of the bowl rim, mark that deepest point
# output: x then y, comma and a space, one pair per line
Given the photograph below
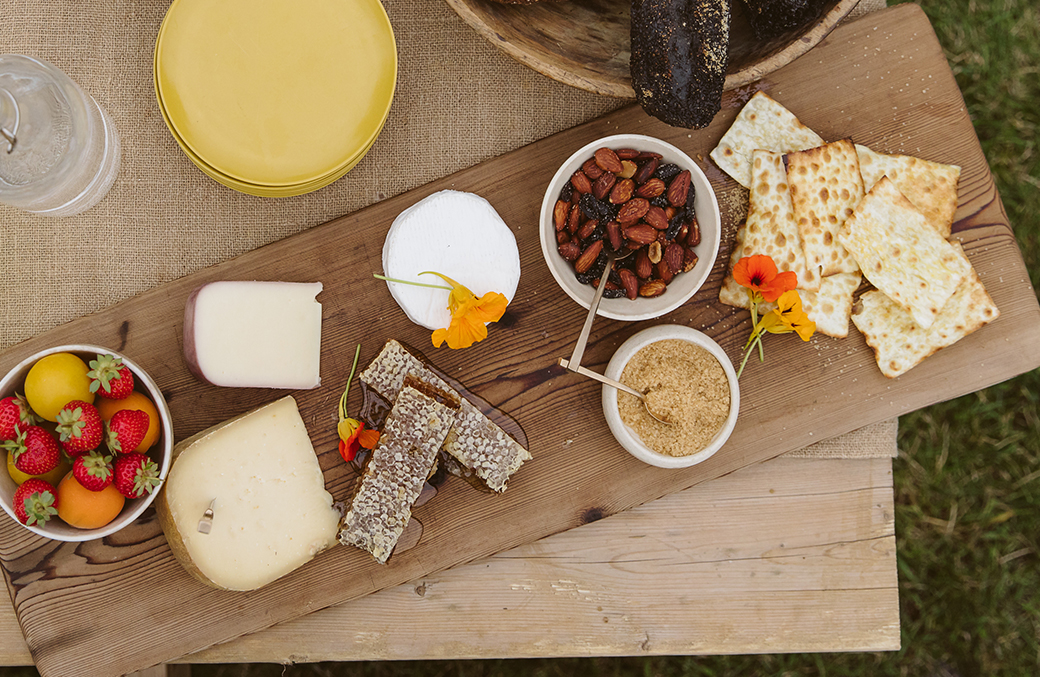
546, 231
125, 517
626, 436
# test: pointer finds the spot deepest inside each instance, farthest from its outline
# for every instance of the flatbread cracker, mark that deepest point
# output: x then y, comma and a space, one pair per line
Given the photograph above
900, 344
771, 227
761, 124
731, 293
831, 307
901, 255
930, 186
826, 186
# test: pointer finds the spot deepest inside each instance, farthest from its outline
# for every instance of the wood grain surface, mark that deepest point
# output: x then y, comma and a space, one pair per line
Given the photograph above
786, 555
882, 80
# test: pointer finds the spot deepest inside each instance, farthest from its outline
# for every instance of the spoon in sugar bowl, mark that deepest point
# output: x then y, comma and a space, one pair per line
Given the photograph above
574, 364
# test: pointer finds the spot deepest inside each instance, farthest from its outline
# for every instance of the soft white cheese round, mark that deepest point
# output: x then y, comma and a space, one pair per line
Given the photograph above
456, 234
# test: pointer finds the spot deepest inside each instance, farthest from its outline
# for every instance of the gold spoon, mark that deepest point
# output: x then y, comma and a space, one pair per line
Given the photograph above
574, 364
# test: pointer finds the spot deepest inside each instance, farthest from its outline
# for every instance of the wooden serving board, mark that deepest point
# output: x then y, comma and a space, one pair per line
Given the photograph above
123, 603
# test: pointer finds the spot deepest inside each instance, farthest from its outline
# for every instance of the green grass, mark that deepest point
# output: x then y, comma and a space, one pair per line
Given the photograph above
968, 478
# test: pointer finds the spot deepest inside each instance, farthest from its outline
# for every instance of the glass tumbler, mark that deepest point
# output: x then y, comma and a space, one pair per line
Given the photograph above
59, 151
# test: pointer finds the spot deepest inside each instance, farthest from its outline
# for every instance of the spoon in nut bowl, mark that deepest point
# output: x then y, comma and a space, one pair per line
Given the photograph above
574, 364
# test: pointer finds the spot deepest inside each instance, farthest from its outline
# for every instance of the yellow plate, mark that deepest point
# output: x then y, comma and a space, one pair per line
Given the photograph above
249, 188
276, 93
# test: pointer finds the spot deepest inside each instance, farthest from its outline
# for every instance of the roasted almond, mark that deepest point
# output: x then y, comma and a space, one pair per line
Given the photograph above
632, 211
689, 260
587, 229
694, 237
647, 155
601, 188
608, 160
588, 257
680, 237
653, 252
591, 169
569, 250
562, 236
628, 169
574, 219
622, 191
663, 271
646, 171
630, 282
560, 213
673, 256
678, 189
643, 268
655, 216
627, 153
581, 182
651, 189
614, 235
653, 288
640, 233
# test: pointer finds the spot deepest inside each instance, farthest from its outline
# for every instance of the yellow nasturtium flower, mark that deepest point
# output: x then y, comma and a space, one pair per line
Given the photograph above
788, 317
469, 315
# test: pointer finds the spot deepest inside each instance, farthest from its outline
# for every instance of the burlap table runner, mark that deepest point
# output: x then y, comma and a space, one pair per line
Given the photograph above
459, 101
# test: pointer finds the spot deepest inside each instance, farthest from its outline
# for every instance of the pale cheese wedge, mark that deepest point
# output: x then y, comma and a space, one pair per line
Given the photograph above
826, 186
271, 512
900, 344
901, 254
771, 227
930, 186
762, 124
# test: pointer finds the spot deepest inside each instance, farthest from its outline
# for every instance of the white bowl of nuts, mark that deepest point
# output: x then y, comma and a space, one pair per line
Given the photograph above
646, 201
689, 381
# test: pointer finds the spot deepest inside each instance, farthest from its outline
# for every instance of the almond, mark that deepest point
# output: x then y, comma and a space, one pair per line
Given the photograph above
581, 182
633, 210
601, 188
622, 191
646, 170
663, 271
574, 219
656, 217
627, 153
630, 283
678, 189
569, 250
694, 237
608, 160
673, 256
647, 155
640, 233
653, 252
689, 260
652, 288
588, 257
562, 236
586, 230
643, 267
614, 235
591, 169
628, 169
651, 189
560, 213
680, 237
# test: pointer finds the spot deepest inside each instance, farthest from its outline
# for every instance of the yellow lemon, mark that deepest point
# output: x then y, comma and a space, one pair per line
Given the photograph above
56, 380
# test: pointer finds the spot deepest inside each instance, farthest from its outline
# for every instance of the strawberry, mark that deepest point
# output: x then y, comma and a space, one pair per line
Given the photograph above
126, 430
110, 378
35, 451
93, 470
80, 427
14, 414
135, 475
35, 502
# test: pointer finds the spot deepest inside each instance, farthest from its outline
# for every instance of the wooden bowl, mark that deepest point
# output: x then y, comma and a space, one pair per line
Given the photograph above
585, 43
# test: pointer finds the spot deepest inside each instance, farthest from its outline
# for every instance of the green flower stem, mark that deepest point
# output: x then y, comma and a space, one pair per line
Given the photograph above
756, 340
343, 400
414, 284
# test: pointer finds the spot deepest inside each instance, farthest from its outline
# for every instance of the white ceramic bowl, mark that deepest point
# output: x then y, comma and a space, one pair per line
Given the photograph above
685, 285
161, 452
626, 436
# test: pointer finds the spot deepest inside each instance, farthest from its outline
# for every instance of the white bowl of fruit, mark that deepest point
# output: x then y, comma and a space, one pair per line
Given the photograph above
88, 439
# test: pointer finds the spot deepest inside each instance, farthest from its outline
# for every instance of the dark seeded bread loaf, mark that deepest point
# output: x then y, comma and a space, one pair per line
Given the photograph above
679, 57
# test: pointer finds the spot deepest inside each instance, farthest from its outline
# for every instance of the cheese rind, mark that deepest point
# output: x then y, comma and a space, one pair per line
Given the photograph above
271, 513
254, 334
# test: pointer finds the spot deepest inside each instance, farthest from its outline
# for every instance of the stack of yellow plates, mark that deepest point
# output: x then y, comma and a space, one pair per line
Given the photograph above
275, 97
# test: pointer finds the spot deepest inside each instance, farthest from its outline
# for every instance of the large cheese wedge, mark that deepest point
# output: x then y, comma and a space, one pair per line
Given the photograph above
271, 512
455, 234
254, 334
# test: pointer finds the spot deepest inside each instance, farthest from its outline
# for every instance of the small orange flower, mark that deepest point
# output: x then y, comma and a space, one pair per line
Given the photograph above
352, 432
469, 315
759, 274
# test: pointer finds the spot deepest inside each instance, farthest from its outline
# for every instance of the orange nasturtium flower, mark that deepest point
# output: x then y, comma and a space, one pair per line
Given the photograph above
764, 284
469, 314
352, 432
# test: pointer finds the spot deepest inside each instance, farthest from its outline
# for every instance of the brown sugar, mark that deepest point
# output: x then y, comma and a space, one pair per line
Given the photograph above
684, 384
